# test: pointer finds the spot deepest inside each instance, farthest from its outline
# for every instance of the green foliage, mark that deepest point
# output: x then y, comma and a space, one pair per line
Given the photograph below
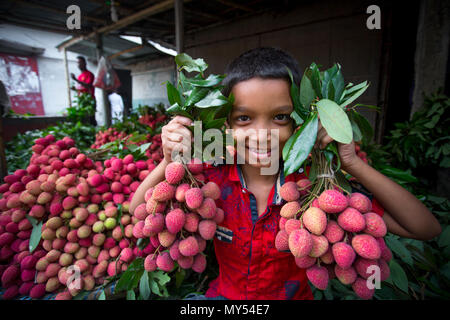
326, 95
420, 269
84, 107
425, 139
18, 150
199, 98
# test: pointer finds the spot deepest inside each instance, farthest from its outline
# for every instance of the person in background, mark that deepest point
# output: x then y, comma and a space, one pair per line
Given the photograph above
116, 102
85, 80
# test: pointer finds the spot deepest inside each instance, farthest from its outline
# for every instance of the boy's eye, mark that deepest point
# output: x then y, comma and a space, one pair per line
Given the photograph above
243, 118
282, 117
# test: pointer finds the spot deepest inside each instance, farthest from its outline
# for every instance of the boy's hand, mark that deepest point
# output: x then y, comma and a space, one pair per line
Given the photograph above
176, 137
347, 152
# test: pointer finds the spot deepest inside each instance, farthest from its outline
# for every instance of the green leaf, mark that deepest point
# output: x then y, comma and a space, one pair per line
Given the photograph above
307, 94
197, 94
131, 295
162, 277
335, 121
398, 276
176, 109
179, 277
288, 146
173, 95
398, 174
444, 238
144, 286
216, 123
363, 125
154, 287
298, 120
343, 183
184, 61
211, 81
302, 145
314, 76
353, 96
35, 237
142, 148
400, 250
349, 90
212, 99
357, 135
299, 108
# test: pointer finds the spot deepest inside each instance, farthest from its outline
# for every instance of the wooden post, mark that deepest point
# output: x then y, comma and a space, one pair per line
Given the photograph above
106, 106
179, 29
66, 66
179, 25
3, 163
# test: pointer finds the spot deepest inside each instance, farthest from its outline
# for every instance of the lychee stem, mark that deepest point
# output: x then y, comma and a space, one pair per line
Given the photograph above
156, 251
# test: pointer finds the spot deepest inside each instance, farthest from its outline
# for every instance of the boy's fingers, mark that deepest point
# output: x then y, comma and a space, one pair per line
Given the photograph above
175, 137
183, 120
325, 141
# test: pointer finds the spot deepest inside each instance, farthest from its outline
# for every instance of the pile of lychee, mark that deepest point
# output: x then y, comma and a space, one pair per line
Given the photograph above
178, 217
83, 206
337, 236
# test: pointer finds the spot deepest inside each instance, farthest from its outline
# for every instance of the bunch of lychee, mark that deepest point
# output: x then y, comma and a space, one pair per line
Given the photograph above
83, 206
178, 217
337, 236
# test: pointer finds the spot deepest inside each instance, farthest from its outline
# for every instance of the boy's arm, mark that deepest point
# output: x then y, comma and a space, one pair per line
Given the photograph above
404, 214
175, 137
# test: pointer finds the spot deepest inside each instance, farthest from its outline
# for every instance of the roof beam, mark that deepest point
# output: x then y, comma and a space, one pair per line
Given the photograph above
140, 15
57, 11
236, 5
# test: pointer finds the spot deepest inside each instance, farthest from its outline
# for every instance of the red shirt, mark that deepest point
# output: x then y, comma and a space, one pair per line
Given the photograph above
250, 267
86, 77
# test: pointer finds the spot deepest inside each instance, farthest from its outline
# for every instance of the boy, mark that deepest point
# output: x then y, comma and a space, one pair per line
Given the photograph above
250, 267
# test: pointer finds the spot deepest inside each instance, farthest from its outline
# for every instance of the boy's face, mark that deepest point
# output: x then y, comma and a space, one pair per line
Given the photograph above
261, 104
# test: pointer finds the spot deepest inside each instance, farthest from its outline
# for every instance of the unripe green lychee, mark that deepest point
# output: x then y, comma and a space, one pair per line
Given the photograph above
110, 223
